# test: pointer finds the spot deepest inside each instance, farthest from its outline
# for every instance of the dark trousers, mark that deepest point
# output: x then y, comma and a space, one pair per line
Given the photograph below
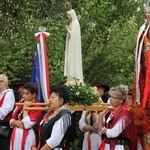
5, 142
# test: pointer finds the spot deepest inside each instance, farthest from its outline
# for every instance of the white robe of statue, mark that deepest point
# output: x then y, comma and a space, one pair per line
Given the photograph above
73, 55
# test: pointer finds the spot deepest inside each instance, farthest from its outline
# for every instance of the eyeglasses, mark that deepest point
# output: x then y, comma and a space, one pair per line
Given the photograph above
114, 97
1, 80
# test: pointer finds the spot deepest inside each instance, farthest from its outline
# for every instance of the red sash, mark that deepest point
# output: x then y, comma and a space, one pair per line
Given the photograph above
89, 141
102, 146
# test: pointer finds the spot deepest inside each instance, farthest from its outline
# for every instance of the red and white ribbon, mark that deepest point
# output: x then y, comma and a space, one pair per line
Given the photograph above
44, 70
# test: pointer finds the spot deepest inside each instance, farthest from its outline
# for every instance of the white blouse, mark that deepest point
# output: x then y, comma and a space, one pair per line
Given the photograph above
8, 103
58, 131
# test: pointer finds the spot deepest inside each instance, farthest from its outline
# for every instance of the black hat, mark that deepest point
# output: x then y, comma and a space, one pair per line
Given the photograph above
99, 84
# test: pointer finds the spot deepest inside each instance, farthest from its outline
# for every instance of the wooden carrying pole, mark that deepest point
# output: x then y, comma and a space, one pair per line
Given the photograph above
46, 106
33, 104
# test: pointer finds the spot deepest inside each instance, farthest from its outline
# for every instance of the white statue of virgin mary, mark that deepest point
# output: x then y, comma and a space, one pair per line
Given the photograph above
73, 55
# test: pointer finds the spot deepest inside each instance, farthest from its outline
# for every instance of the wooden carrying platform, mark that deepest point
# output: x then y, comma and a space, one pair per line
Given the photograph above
138, 111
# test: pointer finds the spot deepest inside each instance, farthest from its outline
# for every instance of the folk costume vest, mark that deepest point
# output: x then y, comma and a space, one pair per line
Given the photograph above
48, 125
128, 133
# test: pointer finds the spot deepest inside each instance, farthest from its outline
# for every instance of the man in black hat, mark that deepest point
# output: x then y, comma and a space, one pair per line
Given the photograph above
101, 89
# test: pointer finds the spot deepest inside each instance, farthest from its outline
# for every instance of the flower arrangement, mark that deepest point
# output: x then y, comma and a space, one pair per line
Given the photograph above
82, 94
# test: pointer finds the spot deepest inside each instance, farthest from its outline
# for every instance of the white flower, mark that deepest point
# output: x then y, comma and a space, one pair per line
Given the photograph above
77, 93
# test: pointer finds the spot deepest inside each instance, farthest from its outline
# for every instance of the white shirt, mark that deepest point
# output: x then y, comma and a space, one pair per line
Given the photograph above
8, 103
94, 137
18, 135
116, 130
58, 131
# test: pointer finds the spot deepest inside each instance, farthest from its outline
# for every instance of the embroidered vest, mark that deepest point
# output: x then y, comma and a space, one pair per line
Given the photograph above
128, 134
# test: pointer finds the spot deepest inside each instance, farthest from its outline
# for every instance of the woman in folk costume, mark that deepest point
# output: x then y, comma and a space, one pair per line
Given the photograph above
23, 121
53, 128
88, 123
7, 101
117, 124
73, 55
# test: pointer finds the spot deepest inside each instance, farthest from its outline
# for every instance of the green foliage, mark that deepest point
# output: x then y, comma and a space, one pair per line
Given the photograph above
74, 145
105, 59
120, 52
108, 31
83, 94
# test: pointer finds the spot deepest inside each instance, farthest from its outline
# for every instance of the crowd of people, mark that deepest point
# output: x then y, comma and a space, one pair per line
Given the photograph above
31, 130
112, 128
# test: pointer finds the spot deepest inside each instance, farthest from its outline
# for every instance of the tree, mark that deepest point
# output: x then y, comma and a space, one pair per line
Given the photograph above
105, 50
